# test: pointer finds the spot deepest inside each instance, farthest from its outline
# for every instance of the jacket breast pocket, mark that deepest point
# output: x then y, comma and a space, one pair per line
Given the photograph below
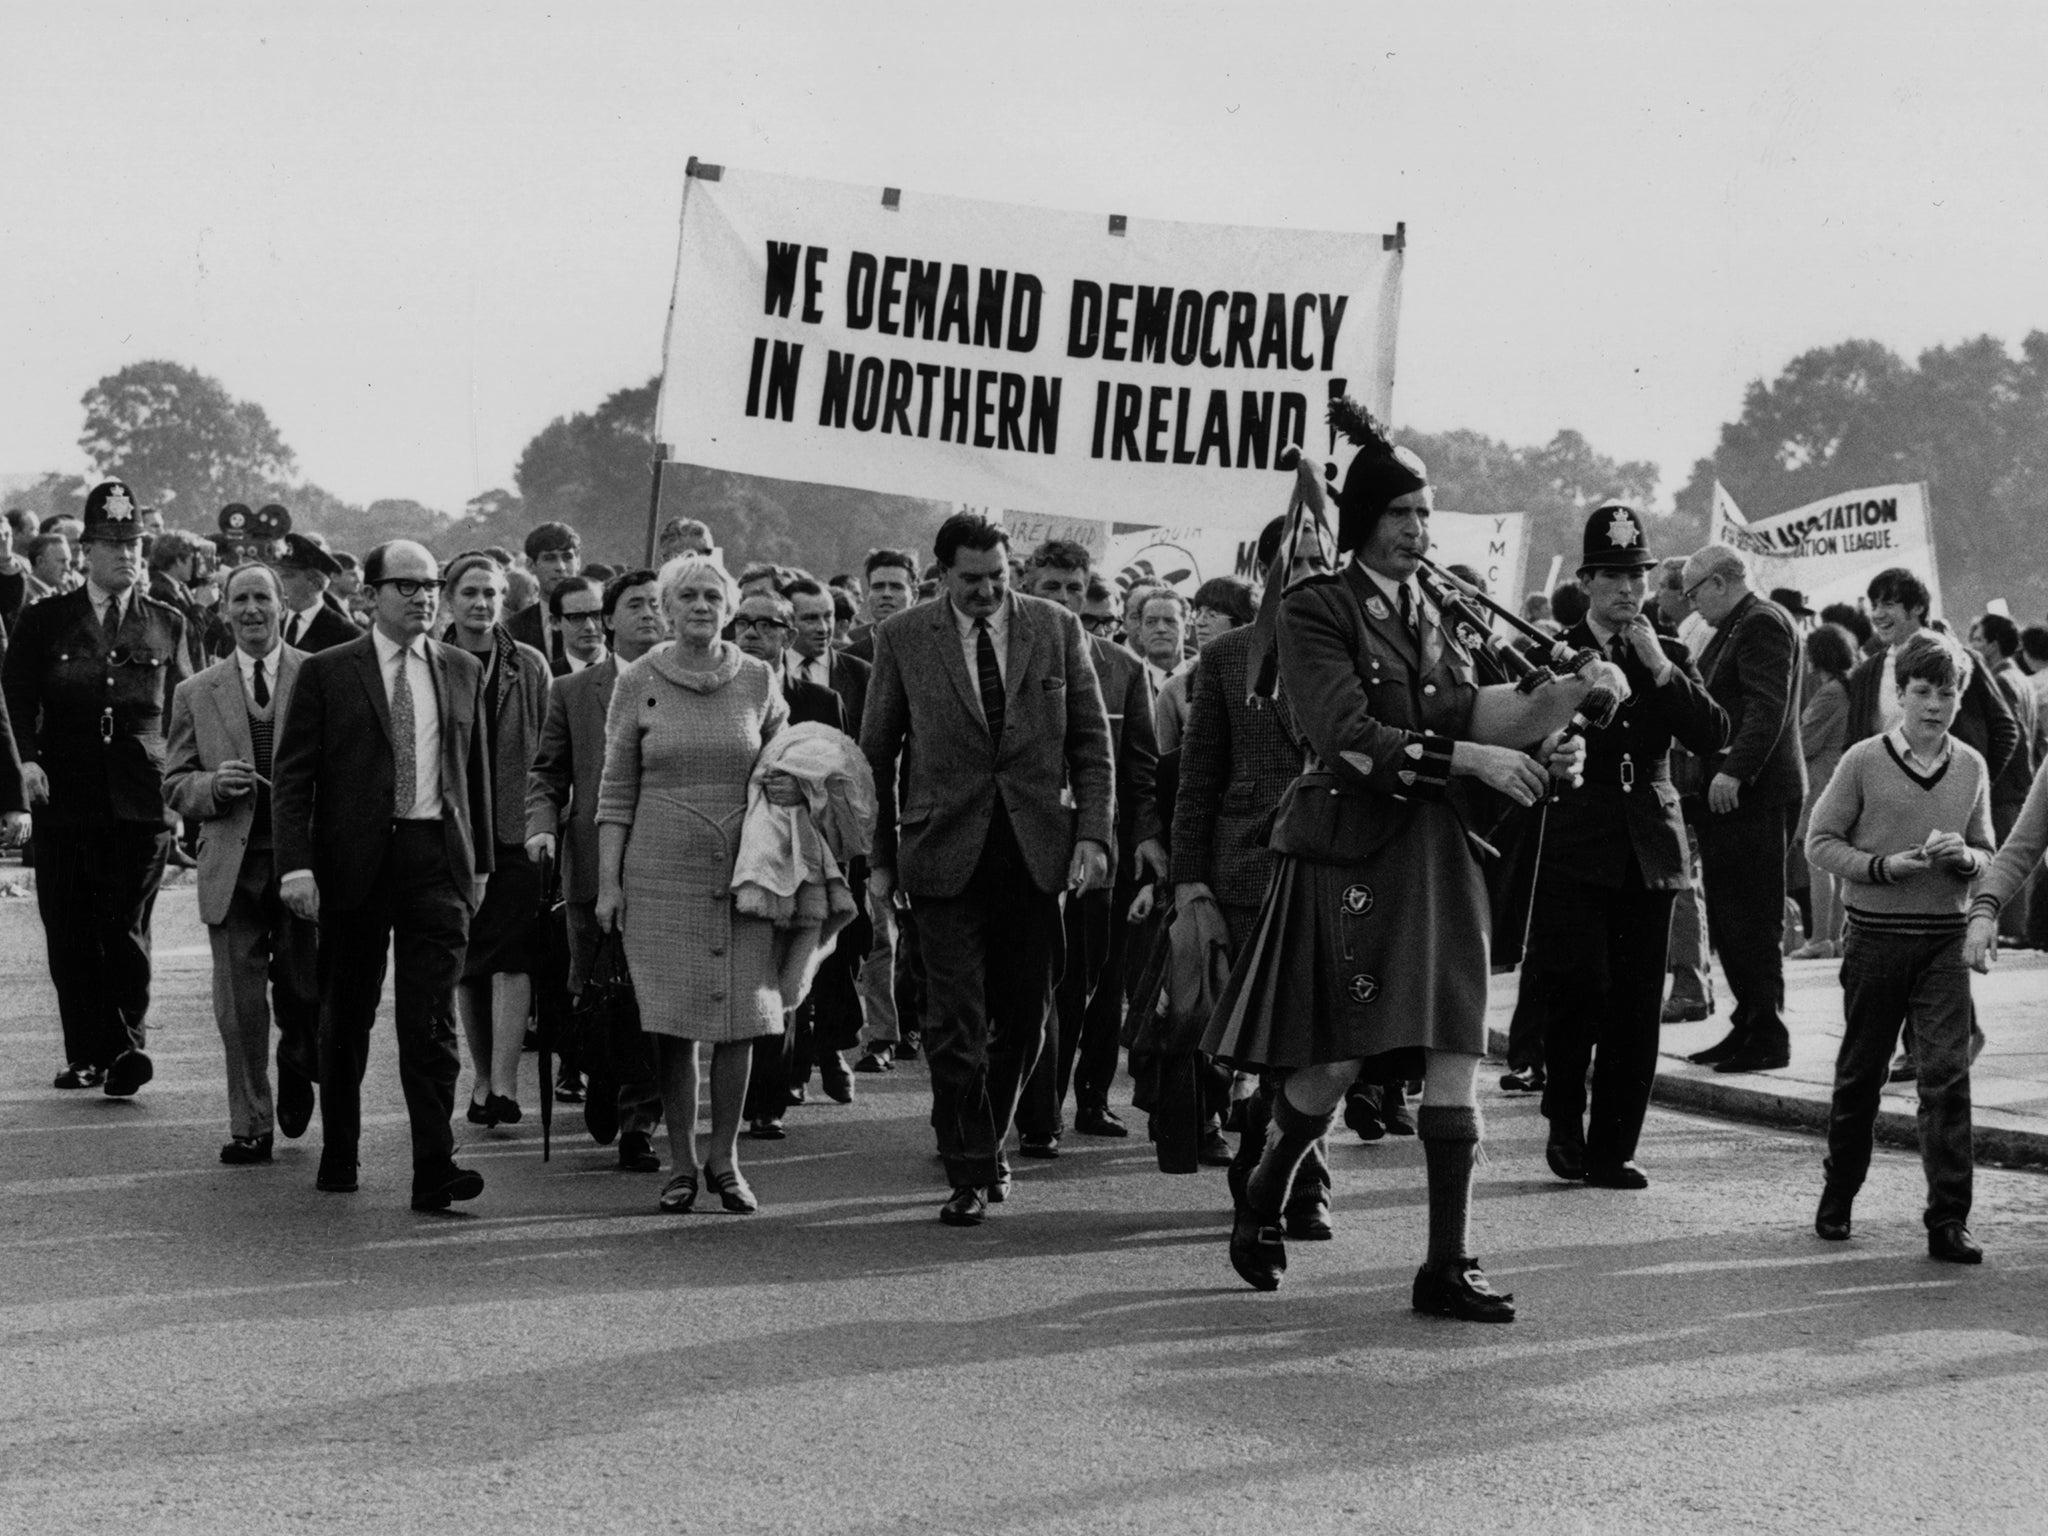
914, 816
1052, 684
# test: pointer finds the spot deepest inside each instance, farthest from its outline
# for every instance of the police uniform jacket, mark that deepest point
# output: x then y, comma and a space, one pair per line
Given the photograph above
1627, 804
93, 714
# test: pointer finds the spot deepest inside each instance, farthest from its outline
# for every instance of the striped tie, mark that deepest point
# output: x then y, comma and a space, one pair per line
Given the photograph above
991, 681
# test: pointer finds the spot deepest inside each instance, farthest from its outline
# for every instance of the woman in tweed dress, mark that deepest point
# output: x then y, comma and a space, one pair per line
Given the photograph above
687, 721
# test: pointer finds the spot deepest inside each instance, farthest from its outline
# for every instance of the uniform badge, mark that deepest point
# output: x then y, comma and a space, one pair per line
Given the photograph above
1358, 899
117, 508
1377, 608
1363, 988
1622, 530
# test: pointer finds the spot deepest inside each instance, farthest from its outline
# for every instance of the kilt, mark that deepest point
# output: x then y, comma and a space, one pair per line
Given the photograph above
1385, 956
502, 934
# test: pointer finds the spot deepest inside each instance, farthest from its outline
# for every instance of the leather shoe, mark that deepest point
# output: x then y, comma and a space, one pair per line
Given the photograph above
1307, 1217
967, 1208
1362, 1114
504, 1111
568, 1088
1212, 1151
80, 1074
1258, 1251
1831, 1221
1903, 1070
637, 1154
336, 1178
1394, 1113
480, 1112
1098, 1120
1676, 1012
906, 1049
1522, 1080
1622, 1175
764, 1130
1463, 1293
1952, 1244
1720, 1050
875, 1061
442, 1190
294, 1102
1566, 1152
1756, 1058
131, 1069
999, 1191
836, 1079
246, 1149
1038, 1146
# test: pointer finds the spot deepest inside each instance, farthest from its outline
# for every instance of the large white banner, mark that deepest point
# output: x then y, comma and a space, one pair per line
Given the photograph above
1063, 364
1830, 549
1185, 557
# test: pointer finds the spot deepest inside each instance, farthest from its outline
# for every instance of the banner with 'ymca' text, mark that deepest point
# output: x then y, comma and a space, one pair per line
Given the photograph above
1830, 549
1066, 364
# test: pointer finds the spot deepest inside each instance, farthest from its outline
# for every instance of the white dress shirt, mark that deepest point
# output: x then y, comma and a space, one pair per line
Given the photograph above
302, 618
819, 668
999, 636
426, 719
248, 665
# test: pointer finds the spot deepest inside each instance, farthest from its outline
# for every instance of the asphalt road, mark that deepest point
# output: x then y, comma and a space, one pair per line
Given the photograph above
188, 1347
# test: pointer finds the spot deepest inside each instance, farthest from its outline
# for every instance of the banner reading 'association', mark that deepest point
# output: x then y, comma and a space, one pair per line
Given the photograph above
1828, 550
1014, 357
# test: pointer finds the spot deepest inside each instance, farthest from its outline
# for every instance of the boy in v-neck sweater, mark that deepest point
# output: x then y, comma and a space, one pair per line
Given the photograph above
1905, 823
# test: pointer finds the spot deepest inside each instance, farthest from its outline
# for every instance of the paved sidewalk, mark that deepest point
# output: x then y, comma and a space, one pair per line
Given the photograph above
2008, 1085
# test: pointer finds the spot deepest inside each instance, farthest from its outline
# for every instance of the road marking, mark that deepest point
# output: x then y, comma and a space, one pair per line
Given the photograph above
1901, 1285
1708, 1266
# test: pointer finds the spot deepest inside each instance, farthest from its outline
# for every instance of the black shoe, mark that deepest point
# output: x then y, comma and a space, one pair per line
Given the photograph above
874, 1060
799, 1094
1307, 1217
679, 1194
1212, 1151
1720, 1050
568, 1088
1463, 1294
733, 1191
967, 1208
763, 1130
80, 1074
907, 1047
441, 1190
1258, 1251
637, 1154
294, 1103
480, 1112
1952, 1244
1566, 1152
1622, 1175
336, 1178
999, 1191
246, 1149
1098, 1120
1831, 1221
1038, 1146
131, 1069
837, 1080
1523, 1080
1394, 1114
504, 1111
1903, 1070
1755, 1057
1362, 1114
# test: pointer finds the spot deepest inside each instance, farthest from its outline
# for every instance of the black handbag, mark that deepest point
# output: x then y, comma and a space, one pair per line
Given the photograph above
605, 1028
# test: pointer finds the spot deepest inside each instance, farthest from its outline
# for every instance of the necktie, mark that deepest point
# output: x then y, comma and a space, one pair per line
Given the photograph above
1408, 615
291, 631
262, 688
991, 677
405, 774
110, 619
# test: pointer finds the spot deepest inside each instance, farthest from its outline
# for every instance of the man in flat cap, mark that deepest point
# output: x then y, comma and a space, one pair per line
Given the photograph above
310, 623
1613, 861
88, 678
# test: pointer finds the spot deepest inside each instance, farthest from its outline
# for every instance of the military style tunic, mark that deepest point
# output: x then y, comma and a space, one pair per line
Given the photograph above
1373, 936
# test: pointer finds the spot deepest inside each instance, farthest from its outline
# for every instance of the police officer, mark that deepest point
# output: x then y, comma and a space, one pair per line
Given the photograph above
88, 681
1613, 861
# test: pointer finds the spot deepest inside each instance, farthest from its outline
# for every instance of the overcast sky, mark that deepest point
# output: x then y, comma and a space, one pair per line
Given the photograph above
415, 233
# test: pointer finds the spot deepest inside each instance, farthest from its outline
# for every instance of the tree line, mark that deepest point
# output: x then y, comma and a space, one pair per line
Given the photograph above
1969, 419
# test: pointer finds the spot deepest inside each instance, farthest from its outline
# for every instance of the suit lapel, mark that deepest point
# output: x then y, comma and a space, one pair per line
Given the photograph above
287, 678
228, 699
1023, 644
370, 672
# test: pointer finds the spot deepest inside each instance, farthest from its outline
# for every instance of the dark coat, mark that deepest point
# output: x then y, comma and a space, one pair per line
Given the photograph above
13, 793
849, 675
95, 724
1235, 762
1983, 719
810, 704
334, 769
324, 631
1127, 696
1751, 667
13, 596
924, 723
561, 791
1592, 831
529, 627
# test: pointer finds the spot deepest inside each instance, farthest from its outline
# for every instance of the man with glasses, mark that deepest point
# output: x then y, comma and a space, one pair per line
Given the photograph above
89, 676
381, 816
1750, 803
577, 607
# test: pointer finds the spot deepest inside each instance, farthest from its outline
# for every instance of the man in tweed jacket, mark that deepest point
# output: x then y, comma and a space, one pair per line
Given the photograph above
982, 708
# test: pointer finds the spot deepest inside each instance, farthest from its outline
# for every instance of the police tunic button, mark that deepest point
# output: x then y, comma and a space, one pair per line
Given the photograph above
1363, 988
1358, 899
1428, 688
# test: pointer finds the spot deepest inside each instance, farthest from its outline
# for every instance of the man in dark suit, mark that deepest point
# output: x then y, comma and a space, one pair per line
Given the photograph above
1751, 802
891, 579
1899, 604
310, 622
987, 705
89, 678
554, 551
561, 821
811, 656
1613, 860
217, 773
577, 608
1089, 999
381, 813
